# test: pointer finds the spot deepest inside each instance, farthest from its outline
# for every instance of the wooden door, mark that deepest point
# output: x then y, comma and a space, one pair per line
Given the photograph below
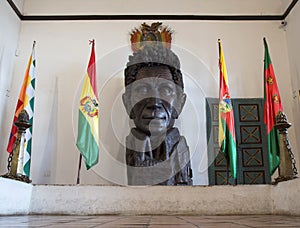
252, 167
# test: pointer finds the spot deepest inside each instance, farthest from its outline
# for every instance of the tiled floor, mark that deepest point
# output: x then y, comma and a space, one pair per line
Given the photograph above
150, 221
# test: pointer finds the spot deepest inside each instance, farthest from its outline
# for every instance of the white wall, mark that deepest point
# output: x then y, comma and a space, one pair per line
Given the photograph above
62, 54
9, 34
293, 35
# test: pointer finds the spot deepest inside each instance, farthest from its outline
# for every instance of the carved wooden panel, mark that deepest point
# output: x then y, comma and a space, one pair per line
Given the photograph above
254, 177
252, 157
248, 113
250, 134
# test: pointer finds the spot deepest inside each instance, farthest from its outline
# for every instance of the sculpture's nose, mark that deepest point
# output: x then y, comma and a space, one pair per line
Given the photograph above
155, 109
154, 104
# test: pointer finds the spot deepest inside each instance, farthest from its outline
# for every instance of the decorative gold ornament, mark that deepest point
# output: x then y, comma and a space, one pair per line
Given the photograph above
270, 80
148, 34
275, 98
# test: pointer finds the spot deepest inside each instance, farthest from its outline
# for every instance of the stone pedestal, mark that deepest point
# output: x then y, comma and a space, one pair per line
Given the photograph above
287, 167
15, 161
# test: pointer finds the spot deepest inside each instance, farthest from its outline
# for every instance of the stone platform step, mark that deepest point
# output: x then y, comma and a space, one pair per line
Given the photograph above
21, 198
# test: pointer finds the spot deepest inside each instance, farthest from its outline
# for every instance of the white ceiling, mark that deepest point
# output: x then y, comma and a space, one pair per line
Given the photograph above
195, 7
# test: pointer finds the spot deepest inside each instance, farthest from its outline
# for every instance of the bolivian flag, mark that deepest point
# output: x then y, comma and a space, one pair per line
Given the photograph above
227, 141
272, 105
88, 133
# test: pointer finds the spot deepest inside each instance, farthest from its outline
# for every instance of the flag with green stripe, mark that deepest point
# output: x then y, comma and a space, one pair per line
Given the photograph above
88, 133
227, 140
272, 105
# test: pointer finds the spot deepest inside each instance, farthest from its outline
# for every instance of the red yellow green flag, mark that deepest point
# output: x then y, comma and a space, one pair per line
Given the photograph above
25, 101
272, 105
227, 140
88, 133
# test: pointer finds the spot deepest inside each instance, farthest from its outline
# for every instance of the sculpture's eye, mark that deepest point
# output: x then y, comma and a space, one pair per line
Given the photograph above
142, 89
166, 90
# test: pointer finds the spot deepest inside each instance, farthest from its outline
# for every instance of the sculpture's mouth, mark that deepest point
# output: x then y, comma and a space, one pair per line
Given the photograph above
155, 118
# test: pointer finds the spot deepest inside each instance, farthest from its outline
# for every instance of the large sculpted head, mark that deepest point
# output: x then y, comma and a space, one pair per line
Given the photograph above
154, 95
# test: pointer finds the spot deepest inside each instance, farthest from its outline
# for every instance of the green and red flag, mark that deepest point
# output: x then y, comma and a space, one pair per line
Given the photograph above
227, 140
88, 133
25, 101
272, 105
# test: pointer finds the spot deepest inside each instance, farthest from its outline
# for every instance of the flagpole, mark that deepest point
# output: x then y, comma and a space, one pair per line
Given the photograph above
79, 168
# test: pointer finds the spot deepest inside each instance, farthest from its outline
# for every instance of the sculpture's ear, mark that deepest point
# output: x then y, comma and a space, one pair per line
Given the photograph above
127, 104
181, 102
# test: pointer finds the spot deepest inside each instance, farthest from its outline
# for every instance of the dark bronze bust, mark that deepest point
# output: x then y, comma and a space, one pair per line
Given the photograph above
156, 153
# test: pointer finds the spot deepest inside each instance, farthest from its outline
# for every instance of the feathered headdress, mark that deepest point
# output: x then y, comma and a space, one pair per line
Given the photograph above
148, 34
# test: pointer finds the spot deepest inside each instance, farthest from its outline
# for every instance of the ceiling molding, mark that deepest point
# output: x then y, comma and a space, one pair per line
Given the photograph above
15, 8
289, 9
153, 17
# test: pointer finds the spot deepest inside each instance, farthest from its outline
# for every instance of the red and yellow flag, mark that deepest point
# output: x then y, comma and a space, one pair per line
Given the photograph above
88, 133
227, 140
272, 105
